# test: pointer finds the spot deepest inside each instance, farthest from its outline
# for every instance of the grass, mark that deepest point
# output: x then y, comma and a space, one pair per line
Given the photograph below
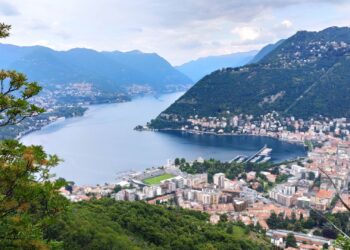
157, 179
238, 232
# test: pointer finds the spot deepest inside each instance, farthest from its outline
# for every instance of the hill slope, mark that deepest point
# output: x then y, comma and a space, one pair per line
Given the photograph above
306, 76
107, 224
265, 50
108, 71
199, 68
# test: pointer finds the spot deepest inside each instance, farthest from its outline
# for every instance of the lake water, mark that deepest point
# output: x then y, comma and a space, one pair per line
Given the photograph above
102, 143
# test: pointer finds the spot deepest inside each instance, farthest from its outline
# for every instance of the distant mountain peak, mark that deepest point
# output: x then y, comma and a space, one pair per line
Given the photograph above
196, 69
135, 51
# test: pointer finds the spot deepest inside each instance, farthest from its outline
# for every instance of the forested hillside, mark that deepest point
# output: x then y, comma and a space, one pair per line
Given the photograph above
108, 224
306, 76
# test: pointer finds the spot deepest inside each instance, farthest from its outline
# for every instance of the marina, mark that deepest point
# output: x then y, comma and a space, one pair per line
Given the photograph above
262, 156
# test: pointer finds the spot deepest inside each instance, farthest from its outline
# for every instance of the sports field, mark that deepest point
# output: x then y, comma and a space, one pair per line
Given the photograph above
157, 179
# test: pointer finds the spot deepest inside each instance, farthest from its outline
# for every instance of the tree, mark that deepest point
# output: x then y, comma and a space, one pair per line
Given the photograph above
4, 30
229, 229
298, 227
309, 223
291, 241
342, 242
15, 91
329, 232
275, 171
294, 217
301, 216
117, 188
183, 160
272, 221
14, 109
29, 201
223, 218
311, 176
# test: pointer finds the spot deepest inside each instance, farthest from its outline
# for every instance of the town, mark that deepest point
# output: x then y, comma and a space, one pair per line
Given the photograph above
293, 189
271, 124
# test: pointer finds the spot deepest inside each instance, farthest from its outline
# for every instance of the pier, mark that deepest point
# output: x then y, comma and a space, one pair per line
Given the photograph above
263, 155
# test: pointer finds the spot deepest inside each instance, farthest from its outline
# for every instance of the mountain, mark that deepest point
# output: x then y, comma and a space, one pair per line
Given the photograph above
265, 50
108, 71
199, 68
306, 76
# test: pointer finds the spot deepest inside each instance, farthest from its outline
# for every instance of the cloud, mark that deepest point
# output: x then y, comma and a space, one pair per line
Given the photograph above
287, 24
174, 12
246, 33
179, 30
8, 9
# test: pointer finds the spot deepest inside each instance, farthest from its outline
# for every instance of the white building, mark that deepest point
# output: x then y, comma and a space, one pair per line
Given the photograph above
219, 180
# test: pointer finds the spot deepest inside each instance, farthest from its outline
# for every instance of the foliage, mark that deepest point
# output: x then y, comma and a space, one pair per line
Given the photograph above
223, 218
4, 30
316, 219
343, 242
282, 178
29, 201
291, 241
117, 188
109, 224
14, 109
15, 91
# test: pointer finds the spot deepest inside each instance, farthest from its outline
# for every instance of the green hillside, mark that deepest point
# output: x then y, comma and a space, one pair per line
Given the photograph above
107, 224
307, 75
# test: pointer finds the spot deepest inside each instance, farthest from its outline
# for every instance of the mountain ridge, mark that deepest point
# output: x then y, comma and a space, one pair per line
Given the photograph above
306, 76
108, 71
265, 50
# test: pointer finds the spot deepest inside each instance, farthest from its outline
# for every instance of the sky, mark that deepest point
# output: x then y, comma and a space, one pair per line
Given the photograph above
178, 30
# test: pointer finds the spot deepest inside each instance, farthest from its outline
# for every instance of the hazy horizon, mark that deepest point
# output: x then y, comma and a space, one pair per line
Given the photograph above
177, 32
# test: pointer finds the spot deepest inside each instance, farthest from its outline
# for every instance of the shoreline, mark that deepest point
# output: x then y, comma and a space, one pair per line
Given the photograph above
62, 118
191, 131
87, 107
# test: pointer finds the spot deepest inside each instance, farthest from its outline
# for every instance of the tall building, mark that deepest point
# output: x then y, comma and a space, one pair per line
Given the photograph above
219, 180
283, 194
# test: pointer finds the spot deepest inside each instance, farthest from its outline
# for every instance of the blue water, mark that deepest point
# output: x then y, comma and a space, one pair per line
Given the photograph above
102, 143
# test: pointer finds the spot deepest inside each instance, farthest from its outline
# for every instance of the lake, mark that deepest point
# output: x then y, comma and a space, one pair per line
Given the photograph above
102, 143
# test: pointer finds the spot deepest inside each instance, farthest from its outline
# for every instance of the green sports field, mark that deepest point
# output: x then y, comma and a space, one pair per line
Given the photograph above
157, 179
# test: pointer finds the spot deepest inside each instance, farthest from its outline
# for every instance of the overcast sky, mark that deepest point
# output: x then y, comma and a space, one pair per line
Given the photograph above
178, 30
